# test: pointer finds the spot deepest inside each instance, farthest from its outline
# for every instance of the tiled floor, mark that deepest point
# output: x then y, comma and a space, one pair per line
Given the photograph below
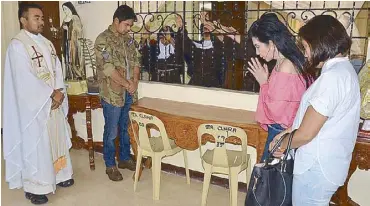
93, 188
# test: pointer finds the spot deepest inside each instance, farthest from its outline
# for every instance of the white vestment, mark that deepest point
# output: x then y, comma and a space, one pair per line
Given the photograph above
35, 137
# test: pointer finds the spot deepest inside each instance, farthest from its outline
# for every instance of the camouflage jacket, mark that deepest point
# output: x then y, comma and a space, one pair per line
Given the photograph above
115, 51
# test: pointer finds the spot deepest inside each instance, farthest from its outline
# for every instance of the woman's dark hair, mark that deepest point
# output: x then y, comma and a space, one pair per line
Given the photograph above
326, 37
124, 13
24, 7
269, 27
70, 6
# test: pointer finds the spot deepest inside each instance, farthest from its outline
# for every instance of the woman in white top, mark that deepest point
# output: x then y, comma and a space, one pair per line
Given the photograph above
327, 120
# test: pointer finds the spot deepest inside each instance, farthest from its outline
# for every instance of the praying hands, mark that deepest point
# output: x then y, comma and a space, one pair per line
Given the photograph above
260, 72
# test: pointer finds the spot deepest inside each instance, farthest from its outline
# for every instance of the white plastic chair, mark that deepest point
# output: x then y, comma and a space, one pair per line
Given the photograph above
221, 160
154, 147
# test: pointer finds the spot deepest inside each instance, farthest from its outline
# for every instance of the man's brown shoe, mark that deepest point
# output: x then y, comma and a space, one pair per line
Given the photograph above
127, 164
113, 173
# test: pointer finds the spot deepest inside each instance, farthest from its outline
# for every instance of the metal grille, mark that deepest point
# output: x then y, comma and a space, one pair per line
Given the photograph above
196, 67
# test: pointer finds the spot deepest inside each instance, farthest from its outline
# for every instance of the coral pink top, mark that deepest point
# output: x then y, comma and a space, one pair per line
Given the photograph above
279, 99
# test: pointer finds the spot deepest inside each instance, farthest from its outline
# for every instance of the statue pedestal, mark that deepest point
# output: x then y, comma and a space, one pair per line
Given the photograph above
76, 87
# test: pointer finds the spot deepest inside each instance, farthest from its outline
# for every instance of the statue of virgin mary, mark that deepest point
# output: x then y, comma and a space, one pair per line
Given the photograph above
72, 45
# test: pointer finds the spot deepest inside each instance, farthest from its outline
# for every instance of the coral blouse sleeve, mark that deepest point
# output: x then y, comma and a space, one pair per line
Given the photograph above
279, 99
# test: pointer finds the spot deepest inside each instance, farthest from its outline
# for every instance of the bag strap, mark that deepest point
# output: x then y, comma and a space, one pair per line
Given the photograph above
278, 143
289, 144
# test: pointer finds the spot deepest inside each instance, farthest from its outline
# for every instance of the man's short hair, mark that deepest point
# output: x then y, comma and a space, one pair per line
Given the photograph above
124, 13
24, 7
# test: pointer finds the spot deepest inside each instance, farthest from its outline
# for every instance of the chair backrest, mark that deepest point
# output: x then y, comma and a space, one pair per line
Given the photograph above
221, 133
142, 138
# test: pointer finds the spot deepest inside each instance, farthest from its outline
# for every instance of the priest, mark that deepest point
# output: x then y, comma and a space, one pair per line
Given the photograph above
36, 137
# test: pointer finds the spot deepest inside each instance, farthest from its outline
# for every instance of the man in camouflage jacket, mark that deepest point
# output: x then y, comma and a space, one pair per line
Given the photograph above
118, 74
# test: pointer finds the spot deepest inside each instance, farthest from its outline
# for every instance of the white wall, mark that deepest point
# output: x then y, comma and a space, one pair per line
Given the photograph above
368, 50
9, 28
95, 16
199, 95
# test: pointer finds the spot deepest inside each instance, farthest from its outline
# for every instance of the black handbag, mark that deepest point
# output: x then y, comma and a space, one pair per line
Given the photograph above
271, 183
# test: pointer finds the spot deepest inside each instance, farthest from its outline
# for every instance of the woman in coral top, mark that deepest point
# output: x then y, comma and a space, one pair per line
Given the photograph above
280, 91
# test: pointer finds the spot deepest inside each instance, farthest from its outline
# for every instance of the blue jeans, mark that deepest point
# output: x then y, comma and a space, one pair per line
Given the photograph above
312, 188
273, 130
116, 119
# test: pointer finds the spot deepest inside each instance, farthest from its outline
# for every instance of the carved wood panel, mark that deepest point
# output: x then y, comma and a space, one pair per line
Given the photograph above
183, 130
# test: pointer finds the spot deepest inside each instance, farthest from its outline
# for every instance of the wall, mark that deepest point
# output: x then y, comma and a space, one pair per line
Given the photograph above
368, 50
93, 22
9, 28
95, 16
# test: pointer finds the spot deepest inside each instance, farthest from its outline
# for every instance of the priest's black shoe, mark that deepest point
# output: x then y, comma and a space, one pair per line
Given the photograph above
36, 199
66, 183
